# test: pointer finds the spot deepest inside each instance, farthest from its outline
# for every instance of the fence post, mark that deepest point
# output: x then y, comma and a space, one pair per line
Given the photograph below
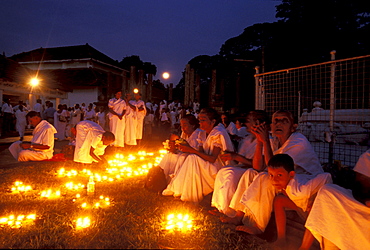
257, 89
332, 107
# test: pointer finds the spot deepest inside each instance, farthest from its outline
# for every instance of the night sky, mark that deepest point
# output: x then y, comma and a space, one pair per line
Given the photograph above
167, 33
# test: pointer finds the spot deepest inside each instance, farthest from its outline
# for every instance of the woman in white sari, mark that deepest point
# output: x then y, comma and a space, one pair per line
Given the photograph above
174, 159
197, 175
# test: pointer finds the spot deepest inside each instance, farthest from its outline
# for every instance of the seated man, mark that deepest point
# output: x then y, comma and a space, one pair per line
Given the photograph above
41, 146
91, 141
340, 217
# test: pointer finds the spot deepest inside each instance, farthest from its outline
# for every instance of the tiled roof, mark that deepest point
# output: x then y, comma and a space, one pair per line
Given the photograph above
63, 53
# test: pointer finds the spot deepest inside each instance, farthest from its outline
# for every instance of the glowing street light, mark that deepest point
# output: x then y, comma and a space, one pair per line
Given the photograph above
136, 90
34, 82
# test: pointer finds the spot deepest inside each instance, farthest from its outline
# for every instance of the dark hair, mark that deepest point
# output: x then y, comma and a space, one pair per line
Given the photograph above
212, 114
32, 114
192, 120
260, 115
109, 136
282, 161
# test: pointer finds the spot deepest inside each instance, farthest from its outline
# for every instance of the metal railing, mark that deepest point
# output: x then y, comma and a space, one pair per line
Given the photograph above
331, 101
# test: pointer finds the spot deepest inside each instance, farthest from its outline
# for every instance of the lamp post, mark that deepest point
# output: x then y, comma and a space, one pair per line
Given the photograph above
34, 82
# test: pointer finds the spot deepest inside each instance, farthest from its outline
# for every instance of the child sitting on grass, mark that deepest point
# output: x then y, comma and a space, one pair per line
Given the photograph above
292, 193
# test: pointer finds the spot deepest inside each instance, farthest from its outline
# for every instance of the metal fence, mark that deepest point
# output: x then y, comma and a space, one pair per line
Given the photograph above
331, 101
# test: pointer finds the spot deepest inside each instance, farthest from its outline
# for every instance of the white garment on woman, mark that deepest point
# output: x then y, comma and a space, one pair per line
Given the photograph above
337, 216
231, 129
172, 162
242, 132
140, 115
76, 117
116, 125
21, 122
305, 161
100, 118
196, 177
59, 125
130, 128
228, 177
43, 134
89, 115
88, 134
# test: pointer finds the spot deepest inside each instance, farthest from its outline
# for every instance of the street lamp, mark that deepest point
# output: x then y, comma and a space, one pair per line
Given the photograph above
136, 90
34, 82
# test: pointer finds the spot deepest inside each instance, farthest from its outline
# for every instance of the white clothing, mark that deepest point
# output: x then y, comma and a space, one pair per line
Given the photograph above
59, 125
21, 121
89, 115
149, 119
173, 115
340, 218
305, 160
7, 108
242, 132
37, 107
337, 216
164, 117
100, 118
196, 106
196, 177
299, 148
258, 201
89, 135
171, 162
76, 117
149, 105
140, 115
231, 129
227, 178
116, 125
130, 127
43, 134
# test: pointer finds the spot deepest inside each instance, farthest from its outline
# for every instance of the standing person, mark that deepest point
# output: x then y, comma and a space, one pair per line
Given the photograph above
149, 105
91, 141
76, 115
196, 105
41, 146
21, 121
130, 129
197, 175
117, 119
49, 113
140, 113
101, 117
60, 122
7, 111
173, 116
38, 107
148, 124
89, 113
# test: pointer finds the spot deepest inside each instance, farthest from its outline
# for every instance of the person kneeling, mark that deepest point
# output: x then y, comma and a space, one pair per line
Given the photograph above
91, 141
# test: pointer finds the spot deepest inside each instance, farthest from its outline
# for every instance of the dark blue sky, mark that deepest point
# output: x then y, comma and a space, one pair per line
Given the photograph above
167, 33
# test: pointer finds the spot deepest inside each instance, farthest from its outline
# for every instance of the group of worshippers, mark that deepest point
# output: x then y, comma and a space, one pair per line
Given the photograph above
274, 169
91, 141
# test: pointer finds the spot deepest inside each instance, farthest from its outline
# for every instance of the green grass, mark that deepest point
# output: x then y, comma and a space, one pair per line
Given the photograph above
135, 219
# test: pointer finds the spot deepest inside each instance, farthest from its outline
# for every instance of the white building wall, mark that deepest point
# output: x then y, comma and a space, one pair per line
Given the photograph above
81, 95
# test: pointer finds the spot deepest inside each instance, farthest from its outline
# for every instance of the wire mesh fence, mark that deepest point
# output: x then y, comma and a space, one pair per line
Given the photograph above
331, 101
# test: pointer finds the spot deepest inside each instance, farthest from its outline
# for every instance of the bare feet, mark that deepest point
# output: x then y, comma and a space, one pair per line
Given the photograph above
248, 229
215, 212
231, 220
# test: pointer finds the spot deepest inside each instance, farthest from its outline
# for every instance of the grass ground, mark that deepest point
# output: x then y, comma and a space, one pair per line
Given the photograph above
135, 219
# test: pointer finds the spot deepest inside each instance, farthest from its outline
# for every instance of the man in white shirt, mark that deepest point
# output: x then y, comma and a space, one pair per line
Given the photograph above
41, 146
8, 113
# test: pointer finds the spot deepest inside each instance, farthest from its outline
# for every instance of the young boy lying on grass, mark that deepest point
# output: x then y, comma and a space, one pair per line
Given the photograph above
291, 192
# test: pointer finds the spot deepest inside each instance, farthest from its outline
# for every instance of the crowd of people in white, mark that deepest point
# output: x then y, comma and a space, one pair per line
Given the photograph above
253, 166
